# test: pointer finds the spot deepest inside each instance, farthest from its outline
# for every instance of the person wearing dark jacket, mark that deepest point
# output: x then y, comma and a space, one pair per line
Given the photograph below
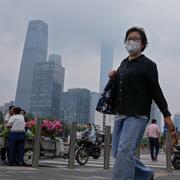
136, 85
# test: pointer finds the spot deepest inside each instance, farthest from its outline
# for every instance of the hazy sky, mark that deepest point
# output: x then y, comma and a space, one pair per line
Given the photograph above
76, 29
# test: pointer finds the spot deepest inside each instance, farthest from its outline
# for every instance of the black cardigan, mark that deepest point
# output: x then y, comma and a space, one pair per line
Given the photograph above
136, 85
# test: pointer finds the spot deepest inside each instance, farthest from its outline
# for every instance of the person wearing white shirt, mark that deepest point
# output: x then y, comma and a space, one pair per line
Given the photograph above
16, 138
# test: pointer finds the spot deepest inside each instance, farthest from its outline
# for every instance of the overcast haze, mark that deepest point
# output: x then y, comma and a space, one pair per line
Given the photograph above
76, 29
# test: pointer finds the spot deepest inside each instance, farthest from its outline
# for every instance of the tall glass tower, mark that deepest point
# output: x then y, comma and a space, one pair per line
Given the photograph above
75, 105
156, 114
35, 50
106, 64
47, 87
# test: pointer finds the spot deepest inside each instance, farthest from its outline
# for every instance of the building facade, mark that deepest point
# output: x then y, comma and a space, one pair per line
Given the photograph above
75, 106
47, 87
106, 64
177, 121
94, 97
156, 114
35, 50
5, 108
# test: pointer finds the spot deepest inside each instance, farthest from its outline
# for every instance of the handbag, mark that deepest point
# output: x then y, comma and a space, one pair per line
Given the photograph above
105, 103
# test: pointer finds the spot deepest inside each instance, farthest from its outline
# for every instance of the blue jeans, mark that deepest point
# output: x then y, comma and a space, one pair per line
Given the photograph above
127, 134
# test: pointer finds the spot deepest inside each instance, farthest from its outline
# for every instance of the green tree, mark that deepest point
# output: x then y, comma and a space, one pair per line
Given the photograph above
81, 127
29, 116
1, 117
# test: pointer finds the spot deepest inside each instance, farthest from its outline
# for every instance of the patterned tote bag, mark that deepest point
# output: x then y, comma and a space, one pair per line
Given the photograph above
105, 104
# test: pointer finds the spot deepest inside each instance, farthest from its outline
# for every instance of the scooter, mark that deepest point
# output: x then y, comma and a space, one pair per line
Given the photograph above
176, 157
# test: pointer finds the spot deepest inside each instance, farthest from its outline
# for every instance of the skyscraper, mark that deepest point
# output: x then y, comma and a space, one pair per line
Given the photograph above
106, 64
177, 121
76, 105
156, 114
35, 50
93, 102
47, 87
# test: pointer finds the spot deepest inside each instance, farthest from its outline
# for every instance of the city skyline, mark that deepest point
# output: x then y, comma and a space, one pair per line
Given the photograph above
77, 38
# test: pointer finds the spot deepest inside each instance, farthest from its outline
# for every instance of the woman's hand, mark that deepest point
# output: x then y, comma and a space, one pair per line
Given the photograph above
168, 121
112, 74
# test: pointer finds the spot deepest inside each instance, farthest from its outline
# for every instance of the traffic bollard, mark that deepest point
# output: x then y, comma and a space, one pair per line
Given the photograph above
72, 145
37, 138
107, 141
168, 151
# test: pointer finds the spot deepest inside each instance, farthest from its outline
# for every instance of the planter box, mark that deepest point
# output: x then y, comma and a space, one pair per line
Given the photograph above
48, 145
29, 143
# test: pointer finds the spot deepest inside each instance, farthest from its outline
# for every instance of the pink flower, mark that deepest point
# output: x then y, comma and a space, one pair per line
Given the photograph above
31, 123
49, 128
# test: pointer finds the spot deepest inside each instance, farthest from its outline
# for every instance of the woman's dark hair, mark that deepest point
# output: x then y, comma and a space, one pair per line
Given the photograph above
10, 107
141, 32
153, 121
17, 110
22, 110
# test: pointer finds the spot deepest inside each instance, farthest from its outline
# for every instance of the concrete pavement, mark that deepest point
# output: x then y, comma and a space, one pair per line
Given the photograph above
56, 169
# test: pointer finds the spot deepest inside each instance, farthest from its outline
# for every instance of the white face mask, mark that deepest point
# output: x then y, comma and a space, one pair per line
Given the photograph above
133, 46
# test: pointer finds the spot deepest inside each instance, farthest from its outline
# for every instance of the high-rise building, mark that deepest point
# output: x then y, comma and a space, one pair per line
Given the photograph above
156, 114
35, 50
106, 64
75, 105
177, 121
5, 107
47, 87
93, 102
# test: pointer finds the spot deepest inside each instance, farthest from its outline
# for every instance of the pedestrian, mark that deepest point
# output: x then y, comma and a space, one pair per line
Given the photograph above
4, 150
153, 133
16, 137
136, 85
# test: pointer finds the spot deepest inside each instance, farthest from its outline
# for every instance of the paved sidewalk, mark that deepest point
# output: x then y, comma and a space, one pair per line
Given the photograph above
162, 175
51, 173
56, 169
60, 173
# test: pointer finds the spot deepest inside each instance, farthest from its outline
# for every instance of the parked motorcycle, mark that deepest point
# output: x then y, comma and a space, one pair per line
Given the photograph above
176, 157
85, 149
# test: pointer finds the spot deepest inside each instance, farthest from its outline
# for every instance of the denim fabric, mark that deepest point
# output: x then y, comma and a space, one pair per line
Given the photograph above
127, 134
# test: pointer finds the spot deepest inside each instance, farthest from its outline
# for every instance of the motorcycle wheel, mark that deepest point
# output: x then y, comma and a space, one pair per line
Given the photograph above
82, 156
96, 155
176, 163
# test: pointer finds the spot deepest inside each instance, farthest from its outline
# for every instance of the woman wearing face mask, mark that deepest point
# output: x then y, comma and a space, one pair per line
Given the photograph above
136, 84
